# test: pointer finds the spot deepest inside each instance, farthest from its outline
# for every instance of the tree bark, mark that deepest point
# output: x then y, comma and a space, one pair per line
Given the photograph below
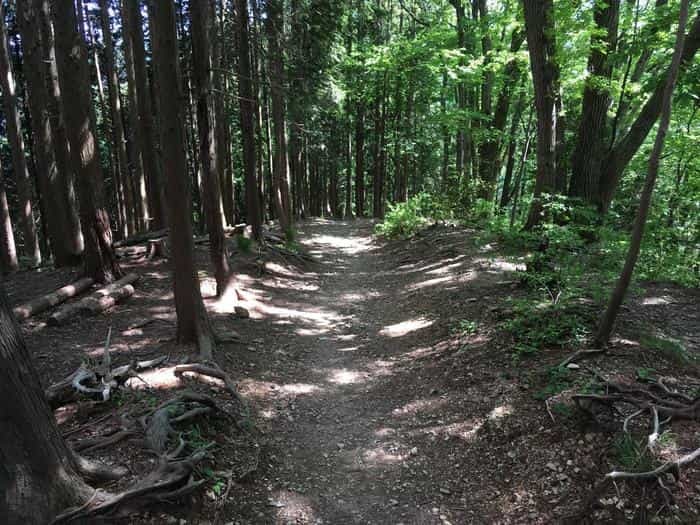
134, 144
51, 188
31, 251
608, 319
247, 116
117, 124
99, 259
360, 160
539, 24
145, 132
202, 13
592, 137
192, 320
8, 251
67, 205
274, 24
37, 471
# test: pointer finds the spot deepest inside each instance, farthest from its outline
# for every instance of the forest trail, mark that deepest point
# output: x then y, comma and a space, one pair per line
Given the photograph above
362, 411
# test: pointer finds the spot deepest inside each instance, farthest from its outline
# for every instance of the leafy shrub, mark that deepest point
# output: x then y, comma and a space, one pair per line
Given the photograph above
407, 218
244, 244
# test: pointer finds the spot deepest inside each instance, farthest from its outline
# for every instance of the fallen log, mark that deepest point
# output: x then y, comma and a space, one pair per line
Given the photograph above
141, 238
38, 305
101, 300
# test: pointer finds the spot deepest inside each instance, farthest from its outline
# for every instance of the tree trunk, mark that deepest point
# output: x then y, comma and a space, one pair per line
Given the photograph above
100, 260
360, 161
608, 320
274, 24
247, 115
145, 131
8, 251
65, 174
202, 13
52, 190
619, 157
539, 24
510, 155
37, 471
489, 155
593, 130
19, 161
192, 320
117, 124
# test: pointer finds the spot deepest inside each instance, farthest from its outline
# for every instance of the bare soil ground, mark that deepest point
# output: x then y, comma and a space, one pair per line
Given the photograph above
371, 403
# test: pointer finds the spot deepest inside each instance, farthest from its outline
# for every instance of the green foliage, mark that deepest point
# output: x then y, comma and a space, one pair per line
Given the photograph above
244, 244
464, 327
558, 379
632, 453
407, 218
669, 348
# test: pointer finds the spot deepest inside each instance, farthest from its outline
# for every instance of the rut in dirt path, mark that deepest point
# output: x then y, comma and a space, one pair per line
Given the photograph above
347, 440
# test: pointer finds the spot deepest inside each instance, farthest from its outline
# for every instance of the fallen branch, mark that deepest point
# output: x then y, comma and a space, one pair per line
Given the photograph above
216, 373
40, 304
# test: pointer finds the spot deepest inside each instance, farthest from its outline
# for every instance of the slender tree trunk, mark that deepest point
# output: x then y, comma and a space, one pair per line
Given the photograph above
247, 115
19, 161
539, 24
192, 320
145, 132
31, 446
608, 320
360, 161
593, 129
71, 52
274, 24
510, 155
117, 124
619, 157
489, 155
134, 143
202, 13
8, 251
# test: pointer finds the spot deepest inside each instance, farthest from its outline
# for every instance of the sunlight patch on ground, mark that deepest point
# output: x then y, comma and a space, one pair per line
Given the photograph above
464, 430
291, 508
656, 301
346, 377
159, 378
445, 269
348, 245
405, 327
267, 389
348, 349
380, 456
500, 412
460, 278
419, 405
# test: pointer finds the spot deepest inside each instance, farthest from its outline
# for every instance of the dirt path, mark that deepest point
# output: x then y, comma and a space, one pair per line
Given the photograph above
358, 431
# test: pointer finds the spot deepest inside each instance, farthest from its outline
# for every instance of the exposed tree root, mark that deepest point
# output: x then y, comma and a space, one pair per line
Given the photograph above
215, 372
170, 480
97, 380
581, 354
662, 402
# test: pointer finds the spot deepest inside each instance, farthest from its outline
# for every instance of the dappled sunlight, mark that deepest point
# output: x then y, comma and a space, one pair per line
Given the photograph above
463, 430
291, 507
346, 245
265, 389
405, 327
159, 378
500, 412
467, 276
346, 377
445, 269
657, 301
419, 405
380, 456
